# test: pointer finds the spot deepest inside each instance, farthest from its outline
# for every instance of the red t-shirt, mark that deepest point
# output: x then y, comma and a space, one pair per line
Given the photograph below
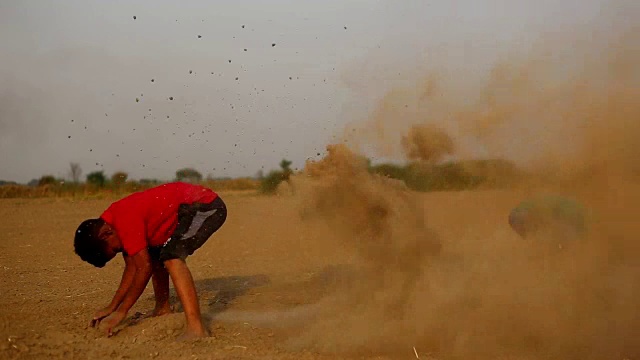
149, 217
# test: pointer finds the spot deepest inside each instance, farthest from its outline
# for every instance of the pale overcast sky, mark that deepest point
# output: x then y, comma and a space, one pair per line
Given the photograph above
70, 73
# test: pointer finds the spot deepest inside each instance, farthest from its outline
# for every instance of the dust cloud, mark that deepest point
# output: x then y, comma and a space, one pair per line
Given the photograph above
575, 127
385, 225
427, 143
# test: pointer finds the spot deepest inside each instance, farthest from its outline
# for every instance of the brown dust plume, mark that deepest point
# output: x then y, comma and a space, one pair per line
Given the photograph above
576, 132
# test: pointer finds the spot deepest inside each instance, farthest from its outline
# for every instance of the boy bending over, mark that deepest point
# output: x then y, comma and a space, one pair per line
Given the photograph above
155, 230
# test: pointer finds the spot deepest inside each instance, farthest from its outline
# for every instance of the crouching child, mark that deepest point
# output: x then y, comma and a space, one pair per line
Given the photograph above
155, 230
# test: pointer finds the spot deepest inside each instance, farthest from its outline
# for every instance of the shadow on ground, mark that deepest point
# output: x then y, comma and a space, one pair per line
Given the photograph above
287, 304
217, 293
227, 289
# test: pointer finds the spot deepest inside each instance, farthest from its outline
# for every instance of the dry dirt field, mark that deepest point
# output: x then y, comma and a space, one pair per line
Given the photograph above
264, 262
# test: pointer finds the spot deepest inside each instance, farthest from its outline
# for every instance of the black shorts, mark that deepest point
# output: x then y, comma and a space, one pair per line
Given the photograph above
196, 223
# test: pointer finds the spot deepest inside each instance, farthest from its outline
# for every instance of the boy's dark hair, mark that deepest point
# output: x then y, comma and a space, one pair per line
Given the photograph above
87, 243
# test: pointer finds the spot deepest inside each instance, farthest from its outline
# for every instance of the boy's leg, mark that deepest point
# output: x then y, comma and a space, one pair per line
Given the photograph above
186, 289
160, 281
197, 223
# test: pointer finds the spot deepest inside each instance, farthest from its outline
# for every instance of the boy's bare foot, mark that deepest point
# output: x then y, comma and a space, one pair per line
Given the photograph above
191, 334
164, 310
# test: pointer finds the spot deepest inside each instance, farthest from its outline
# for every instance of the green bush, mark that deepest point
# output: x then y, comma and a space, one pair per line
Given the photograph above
452, 175
119, 178
47, 180
97, 178
188, 175
269, 184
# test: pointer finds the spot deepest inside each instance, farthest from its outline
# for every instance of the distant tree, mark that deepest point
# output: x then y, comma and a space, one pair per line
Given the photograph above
97, 178
119, 178
188, 175
47, 180
393, 171
260, 175
33, 182
285, 165
75, 171
149, 182
269, 184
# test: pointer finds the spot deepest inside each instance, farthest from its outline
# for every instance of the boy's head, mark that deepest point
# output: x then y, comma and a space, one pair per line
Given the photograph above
96, 242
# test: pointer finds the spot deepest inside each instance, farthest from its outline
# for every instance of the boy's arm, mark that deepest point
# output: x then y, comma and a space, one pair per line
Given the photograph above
125, 283
141, 262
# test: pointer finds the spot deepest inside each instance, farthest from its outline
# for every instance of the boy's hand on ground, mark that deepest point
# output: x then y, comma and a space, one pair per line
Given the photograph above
111, 321
99, 315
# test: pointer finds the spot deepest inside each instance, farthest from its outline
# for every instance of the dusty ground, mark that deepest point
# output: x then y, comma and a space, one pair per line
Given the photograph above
265, 258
